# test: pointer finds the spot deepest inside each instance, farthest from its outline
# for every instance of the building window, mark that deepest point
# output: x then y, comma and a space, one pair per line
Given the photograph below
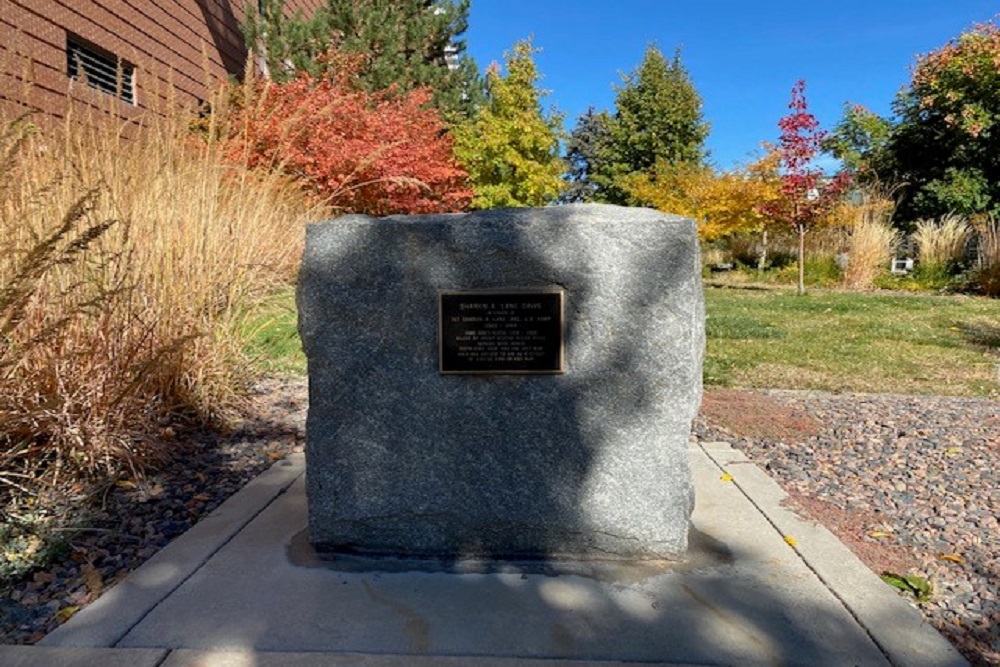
101, 70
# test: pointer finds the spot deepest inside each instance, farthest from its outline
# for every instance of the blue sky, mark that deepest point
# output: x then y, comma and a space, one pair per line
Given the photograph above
743, 56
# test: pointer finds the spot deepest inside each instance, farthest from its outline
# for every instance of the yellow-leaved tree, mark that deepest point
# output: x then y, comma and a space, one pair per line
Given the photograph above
511, 147
723, 203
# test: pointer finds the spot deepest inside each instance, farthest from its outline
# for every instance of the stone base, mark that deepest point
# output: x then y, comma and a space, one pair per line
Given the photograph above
591, 463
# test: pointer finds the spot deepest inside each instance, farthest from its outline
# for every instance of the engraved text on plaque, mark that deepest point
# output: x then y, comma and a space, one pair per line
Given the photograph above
501, 332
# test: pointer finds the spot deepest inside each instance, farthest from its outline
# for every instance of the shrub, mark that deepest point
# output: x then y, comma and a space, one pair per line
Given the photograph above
746, 248
822, 270
359, 152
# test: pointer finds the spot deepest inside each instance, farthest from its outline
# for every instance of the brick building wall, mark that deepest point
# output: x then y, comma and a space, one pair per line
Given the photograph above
178, 44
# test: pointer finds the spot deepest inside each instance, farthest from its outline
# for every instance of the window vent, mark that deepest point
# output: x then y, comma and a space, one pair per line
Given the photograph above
101, 70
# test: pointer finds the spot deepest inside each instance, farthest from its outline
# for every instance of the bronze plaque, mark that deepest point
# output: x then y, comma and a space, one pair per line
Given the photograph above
501, 332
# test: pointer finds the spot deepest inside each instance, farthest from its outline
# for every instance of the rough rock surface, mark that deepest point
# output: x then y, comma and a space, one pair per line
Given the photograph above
591, 463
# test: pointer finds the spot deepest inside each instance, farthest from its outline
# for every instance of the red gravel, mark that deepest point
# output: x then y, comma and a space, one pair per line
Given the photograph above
908, 483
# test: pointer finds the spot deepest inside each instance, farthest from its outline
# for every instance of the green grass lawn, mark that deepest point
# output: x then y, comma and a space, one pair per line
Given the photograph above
847, 341
834, 341
272, 337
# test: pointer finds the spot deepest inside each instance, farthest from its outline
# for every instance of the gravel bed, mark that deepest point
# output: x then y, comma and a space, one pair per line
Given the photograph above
901, 480
132, 523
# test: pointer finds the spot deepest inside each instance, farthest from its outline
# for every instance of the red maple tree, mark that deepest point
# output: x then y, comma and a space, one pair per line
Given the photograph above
806, 195
376, 153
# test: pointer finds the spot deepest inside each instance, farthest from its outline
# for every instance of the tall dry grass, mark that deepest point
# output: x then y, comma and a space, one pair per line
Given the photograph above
941, 242
126, 265
987, 275
872, 241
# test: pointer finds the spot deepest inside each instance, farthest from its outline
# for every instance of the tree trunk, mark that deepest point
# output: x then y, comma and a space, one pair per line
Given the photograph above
802, 260
762, 263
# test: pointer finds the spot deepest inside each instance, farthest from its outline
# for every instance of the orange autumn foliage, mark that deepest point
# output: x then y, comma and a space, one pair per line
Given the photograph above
359, 152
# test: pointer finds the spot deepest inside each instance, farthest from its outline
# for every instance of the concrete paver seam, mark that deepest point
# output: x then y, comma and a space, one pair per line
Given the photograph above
207, 557
827, 584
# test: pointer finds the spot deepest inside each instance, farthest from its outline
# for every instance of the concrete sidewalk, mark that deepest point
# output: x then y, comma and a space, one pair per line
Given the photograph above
243, 589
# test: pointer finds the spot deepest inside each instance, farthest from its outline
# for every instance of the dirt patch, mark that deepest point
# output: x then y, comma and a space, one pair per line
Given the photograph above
863, 533
756, 415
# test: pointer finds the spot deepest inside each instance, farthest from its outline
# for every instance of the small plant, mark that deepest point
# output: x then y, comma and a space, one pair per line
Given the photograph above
914, 585
27, 542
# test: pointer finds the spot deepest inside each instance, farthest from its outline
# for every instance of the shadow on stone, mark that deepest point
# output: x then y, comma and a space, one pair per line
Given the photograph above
589, 464
704, 552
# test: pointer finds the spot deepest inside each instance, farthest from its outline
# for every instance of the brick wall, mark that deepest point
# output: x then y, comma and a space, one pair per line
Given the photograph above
177, 45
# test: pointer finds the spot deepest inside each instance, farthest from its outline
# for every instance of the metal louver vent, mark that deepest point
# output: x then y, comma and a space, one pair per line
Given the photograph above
101, 70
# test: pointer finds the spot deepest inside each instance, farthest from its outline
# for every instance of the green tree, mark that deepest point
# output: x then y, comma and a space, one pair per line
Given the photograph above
511, 147
861, 141
587, 145
285, 45
658, 118
946, 146
403, 43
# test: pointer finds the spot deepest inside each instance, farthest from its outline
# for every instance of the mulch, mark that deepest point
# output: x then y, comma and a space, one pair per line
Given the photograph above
910, 484
129, 523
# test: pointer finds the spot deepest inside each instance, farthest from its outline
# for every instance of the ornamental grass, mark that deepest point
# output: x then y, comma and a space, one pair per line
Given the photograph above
871, 244
941, 242
986, 278
129, 253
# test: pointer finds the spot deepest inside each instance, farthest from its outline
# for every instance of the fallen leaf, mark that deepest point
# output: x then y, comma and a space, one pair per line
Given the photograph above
44, 577
879, 533
953, 451
202, 497
952, 558
92, 578
790, 540
65, 613
726, 477
275, 456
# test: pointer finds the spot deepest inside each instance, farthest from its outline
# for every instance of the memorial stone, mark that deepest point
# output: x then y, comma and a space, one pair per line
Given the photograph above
506, 384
